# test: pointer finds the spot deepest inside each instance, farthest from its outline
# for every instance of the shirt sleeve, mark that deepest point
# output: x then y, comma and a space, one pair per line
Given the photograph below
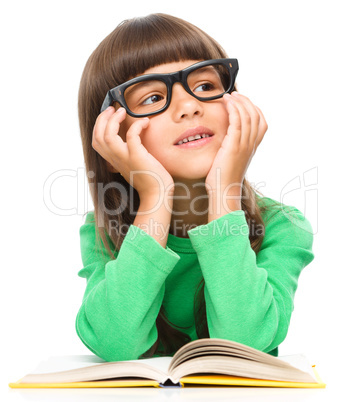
117, 318
249, 298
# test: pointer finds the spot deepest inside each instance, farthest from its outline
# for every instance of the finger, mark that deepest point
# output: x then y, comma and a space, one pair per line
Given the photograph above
252, 108
112, 128
234, 131
263, 128
263, 120
105, 140
246, 121
254, 115
133, 134
101, 123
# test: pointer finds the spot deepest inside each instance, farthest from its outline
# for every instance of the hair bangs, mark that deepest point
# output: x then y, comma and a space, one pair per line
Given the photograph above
153, 40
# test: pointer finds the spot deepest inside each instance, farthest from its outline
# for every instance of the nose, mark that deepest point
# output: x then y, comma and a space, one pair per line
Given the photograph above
183, 105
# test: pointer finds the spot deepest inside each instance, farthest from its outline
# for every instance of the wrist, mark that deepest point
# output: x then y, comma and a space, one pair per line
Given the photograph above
155, 202
156, 195
153, 217
221, 204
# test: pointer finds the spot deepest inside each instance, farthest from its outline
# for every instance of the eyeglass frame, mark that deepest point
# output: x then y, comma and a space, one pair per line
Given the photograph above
116, 94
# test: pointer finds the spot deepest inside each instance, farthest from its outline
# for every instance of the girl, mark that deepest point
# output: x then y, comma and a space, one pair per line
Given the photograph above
179, 245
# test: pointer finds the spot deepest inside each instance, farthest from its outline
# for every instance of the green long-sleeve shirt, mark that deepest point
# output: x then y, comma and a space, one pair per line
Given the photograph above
249, 297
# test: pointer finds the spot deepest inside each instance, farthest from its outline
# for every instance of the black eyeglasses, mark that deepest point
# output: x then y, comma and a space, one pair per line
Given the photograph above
150, 94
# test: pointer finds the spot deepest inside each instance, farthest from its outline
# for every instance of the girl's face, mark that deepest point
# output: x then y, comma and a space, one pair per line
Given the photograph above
184, 112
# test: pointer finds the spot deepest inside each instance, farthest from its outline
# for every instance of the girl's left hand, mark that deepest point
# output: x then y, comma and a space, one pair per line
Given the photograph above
247, 127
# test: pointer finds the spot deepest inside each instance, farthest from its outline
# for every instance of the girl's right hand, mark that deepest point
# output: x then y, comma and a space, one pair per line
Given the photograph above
149, 175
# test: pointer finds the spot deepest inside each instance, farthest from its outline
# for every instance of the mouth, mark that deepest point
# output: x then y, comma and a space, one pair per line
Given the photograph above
194, 135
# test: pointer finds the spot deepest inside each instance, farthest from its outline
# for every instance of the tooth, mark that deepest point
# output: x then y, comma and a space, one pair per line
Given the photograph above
192, 138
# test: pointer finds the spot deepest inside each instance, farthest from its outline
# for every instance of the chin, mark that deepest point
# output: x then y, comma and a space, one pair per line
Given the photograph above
193, 171
192, 175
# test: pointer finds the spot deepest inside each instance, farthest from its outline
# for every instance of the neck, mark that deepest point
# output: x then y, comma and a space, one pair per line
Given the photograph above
190, 206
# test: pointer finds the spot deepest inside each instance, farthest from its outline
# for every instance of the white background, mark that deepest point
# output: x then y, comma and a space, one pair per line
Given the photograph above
299, 62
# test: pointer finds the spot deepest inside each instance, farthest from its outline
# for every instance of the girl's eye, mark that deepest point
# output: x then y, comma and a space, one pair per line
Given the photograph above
152, 99
204, 87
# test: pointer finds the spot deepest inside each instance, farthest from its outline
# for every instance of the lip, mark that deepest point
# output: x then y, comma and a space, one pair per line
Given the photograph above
196, 144
194, 131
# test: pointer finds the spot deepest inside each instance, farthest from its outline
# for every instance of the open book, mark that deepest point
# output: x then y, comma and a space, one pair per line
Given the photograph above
206, 361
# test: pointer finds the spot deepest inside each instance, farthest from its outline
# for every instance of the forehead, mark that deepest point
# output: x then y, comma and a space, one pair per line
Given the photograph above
167, 68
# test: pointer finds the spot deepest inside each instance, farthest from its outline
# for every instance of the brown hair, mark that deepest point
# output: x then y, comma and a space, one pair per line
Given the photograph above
133, 47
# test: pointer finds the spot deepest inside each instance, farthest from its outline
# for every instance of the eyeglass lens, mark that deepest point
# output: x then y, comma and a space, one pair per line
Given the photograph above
151, 96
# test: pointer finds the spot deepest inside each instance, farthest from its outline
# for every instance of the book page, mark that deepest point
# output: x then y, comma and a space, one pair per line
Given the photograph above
222, 347
234, 366
299, 361
64, 363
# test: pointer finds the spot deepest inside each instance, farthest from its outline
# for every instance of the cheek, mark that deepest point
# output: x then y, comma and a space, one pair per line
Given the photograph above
149, 139
155, 135
145, 136
122, 133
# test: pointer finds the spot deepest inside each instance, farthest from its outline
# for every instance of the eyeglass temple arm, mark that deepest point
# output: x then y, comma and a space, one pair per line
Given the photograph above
107, 102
